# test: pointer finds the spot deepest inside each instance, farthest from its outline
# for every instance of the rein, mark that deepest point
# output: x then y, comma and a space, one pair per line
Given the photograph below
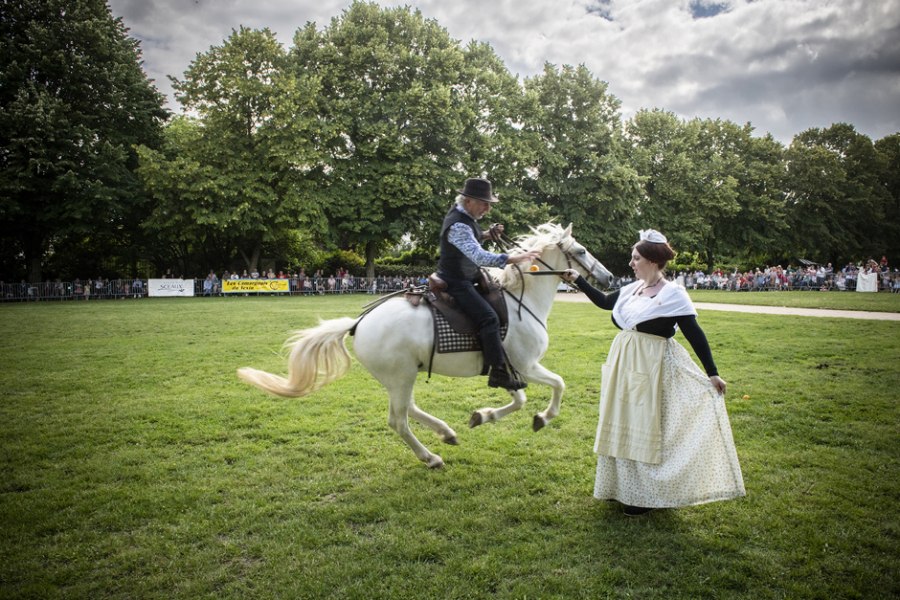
502, 240
505, 242
369, 307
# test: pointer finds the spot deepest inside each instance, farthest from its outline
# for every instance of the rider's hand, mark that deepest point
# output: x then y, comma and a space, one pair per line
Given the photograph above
570, 275
524, 257
495, 230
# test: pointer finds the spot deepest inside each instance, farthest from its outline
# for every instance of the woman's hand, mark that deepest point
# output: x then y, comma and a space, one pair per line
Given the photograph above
570, 275
718, 383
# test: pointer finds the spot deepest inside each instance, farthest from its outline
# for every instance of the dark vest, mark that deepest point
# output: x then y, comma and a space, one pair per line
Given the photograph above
453, 264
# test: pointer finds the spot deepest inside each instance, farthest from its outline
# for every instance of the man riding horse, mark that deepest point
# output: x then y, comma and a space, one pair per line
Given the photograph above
461, 258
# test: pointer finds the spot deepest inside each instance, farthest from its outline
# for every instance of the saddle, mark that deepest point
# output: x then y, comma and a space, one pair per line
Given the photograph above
441, 302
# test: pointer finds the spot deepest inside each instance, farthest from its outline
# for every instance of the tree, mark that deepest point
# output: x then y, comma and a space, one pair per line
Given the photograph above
73, 102
492, 140
739, 203
713, 188
889, 178
837, 202
579, 167
396, 104
236, 177
663, 153
182, 178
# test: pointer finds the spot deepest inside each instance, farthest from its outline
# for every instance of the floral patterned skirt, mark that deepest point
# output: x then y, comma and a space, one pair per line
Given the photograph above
699, 460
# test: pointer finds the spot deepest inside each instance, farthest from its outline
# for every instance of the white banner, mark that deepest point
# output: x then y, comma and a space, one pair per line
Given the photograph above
867, 282
170, 288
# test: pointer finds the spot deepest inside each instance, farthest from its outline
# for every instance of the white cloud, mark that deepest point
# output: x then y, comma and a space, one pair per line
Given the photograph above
783, 65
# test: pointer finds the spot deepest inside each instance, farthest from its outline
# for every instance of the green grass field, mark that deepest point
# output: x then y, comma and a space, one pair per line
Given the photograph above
880, 302
136, 465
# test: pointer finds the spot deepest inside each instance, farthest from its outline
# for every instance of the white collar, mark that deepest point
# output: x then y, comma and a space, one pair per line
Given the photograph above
671, 301
464, 211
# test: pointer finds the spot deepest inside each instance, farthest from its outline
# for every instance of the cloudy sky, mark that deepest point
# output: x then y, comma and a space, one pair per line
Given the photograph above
782, 65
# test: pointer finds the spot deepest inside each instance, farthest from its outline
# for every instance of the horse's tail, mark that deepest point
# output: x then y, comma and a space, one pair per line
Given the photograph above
318, 356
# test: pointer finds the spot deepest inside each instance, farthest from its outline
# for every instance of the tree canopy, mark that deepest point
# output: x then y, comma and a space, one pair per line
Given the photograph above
358, 135
838, 202
394, 101
717, 189
579, 167
73, 102
236, 177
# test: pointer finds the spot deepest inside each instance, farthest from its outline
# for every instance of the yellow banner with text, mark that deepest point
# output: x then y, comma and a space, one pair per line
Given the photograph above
254, 286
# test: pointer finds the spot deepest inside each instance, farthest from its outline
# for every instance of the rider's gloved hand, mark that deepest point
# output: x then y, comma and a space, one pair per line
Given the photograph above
524, 257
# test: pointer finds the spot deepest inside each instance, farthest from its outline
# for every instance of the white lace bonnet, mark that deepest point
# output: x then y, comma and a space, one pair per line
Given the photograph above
651, 235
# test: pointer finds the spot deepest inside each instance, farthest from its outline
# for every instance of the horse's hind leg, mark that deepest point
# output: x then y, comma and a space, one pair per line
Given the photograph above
401, 406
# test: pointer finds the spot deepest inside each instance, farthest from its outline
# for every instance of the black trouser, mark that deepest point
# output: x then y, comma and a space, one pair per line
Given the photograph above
477, 308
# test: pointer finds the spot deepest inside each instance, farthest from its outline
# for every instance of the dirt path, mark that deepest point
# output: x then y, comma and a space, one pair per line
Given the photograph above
769, 310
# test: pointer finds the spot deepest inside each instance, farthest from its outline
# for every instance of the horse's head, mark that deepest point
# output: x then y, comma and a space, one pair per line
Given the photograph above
573, 255
561, 251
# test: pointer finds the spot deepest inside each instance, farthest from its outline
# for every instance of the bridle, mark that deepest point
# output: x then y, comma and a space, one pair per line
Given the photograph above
502, 240
571, 257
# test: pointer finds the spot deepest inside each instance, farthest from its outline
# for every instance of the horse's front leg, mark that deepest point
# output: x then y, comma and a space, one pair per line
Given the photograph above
443, 431
539, 374
488, 415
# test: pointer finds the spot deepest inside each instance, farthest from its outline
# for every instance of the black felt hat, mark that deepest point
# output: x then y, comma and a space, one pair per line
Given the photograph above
480, 189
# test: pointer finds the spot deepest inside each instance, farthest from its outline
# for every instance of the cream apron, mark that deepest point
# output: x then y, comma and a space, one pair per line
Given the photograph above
630, 394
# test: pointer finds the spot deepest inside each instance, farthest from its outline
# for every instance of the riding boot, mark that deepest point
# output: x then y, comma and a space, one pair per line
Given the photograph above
500, 377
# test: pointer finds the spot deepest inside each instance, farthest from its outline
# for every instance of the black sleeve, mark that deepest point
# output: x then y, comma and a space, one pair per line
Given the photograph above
604, 301
697, 339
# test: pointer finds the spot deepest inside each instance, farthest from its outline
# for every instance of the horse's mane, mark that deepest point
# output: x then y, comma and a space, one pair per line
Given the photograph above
548, 234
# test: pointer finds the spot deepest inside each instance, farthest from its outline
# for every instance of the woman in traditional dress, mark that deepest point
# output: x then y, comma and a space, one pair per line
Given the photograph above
664, 438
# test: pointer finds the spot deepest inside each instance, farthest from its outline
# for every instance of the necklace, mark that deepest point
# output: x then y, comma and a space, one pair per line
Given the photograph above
647, 287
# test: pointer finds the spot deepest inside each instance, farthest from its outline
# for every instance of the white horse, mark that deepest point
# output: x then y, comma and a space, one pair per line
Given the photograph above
394, 343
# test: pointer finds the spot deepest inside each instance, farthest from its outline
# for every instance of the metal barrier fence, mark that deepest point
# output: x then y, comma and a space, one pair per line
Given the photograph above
119, 289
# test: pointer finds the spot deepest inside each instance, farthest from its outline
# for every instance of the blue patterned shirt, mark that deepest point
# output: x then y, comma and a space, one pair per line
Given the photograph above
461, 236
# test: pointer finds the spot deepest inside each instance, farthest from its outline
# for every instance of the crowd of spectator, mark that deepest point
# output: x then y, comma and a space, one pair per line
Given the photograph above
812, 276
771, 278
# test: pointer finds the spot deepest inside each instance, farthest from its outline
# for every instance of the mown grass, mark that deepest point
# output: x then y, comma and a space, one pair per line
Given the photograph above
136, 465
880, 302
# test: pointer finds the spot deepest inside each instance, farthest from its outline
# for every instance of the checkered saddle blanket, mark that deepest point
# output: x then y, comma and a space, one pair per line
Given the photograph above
449, 340
454, 331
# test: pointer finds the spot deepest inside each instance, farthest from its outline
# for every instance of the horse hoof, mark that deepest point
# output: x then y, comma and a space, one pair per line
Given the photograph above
538, 423
452, 441
476, 420
437, 464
